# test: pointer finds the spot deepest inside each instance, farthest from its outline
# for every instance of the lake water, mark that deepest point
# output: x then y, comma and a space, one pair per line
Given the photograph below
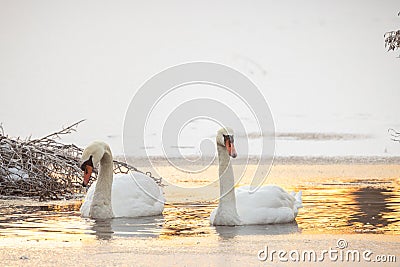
371, 206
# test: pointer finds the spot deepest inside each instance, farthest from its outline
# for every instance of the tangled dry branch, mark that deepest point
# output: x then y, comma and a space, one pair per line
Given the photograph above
45, 168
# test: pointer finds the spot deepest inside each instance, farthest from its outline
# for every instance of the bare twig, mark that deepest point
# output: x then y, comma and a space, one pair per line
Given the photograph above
56, 135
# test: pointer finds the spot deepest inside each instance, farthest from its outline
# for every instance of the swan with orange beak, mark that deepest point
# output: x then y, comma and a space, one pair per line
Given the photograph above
121, 195
269, 204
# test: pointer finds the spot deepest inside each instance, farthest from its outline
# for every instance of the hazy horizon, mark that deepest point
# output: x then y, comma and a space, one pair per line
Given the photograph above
321, 66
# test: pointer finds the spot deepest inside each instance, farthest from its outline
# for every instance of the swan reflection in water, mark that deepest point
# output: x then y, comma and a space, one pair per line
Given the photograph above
191, 224
267, 229
106, 229
373, 205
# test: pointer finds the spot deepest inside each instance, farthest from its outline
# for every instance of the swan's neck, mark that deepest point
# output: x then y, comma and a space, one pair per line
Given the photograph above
101, 204
226, 213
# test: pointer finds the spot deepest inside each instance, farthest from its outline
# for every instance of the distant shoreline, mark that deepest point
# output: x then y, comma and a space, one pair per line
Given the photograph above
303, 160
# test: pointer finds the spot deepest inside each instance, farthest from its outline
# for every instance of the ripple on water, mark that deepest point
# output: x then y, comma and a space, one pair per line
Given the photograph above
335, 208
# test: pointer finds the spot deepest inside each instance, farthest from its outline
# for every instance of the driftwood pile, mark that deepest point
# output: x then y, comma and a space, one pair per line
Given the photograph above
45, 168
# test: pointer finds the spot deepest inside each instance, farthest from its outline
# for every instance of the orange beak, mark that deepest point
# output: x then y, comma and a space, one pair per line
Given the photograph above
86, 175
231, 148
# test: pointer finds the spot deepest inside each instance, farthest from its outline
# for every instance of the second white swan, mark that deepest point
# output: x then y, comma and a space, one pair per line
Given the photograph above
268, 205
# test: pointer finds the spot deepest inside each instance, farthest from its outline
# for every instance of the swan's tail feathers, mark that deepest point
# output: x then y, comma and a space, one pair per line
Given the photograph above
299, 202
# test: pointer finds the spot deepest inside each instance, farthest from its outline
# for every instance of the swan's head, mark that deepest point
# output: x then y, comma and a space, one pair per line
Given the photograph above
91, 157
225, 139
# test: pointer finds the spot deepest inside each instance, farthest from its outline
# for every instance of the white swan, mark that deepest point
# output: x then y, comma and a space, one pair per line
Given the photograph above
123, 196
268, 205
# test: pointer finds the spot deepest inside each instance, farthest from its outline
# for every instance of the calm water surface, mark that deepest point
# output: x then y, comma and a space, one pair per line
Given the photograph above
368, 207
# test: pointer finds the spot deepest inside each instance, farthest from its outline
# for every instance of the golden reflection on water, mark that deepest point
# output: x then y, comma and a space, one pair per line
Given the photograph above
182, 219
350, 209
52, 222
343, 208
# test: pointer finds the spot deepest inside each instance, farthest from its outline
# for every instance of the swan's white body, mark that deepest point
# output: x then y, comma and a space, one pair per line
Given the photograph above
128, 199
122, 195
268, 205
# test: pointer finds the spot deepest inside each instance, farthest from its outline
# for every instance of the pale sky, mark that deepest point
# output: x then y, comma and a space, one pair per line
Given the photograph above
321, 65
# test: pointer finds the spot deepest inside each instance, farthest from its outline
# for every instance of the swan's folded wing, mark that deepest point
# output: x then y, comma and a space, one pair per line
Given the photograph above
268, 205
136, 196
270, 196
